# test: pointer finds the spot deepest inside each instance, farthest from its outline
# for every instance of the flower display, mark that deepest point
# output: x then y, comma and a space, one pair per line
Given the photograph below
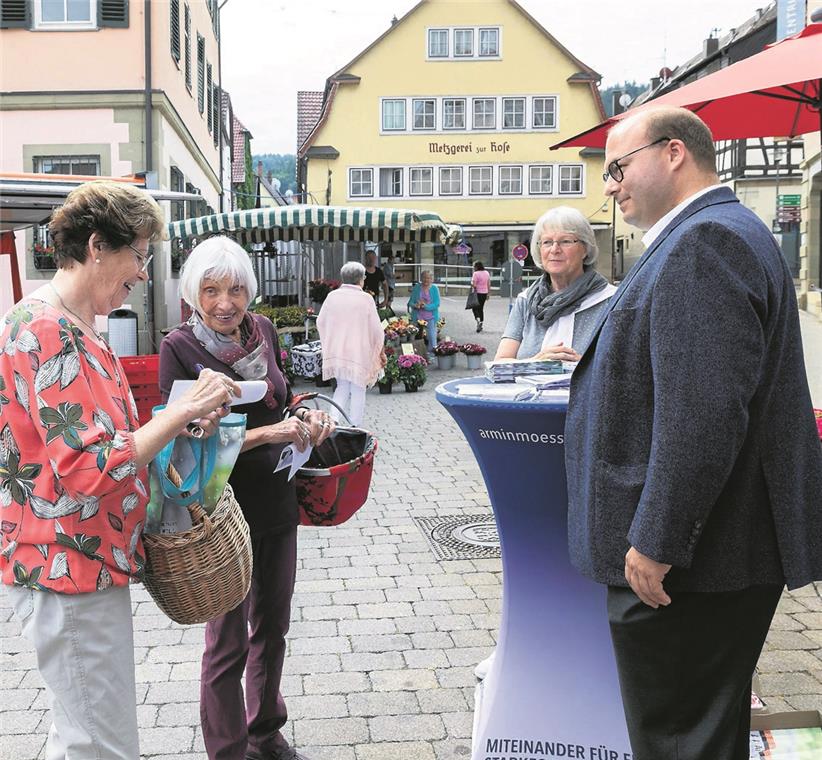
412, 369
472, 349
446, 348
400, 328
318, 290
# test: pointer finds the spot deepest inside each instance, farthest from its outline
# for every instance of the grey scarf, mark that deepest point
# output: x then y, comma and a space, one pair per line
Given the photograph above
548, 305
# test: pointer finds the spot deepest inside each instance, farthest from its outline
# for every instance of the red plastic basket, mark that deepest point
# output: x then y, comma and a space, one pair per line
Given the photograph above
330, 495
142, 373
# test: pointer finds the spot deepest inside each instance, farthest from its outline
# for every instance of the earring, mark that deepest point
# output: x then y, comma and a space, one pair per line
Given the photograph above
96, 261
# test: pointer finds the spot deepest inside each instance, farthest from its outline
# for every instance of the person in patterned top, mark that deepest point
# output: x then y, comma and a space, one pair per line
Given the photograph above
73, 477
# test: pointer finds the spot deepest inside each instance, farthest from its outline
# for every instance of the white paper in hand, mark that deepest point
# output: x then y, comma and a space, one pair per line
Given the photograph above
293, 458
252, 390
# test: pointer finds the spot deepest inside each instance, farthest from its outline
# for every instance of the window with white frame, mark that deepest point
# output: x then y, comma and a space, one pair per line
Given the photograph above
421, 180
488, 43
438, 43
463, 43
485, 113
424, 113
540, 180
453, 113
510, 180
513, 113
450, 180
390, 182
480, 180
570, 179
361, 183
544, 113
88, 166
393, 114
65, 14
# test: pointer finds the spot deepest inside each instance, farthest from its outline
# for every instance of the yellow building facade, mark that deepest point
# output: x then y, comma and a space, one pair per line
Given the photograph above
453, 110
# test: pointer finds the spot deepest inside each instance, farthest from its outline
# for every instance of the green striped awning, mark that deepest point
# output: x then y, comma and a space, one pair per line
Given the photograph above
327, 223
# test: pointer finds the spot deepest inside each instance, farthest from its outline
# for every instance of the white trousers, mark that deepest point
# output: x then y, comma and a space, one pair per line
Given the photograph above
85, 653
350, 397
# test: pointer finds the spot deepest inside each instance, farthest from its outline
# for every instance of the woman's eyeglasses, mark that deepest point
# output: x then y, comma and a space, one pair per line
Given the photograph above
143, 257
565, 243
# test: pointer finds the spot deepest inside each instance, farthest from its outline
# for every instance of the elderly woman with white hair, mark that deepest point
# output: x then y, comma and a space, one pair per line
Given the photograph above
555, 317
352, 340
218, 282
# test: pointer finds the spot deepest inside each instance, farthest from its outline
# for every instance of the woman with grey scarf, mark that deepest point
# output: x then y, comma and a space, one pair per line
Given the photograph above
555, 317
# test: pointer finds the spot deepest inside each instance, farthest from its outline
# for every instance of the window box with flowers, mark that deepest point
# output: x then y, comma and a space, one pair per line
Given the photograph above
43, 256
446, 351
412, 371
473, 354
390, 372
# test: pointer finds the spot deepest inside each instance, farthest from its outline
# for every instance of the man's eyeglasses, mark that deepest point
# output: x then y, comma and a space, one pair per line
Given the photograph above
143, 257
615, 169
565, 243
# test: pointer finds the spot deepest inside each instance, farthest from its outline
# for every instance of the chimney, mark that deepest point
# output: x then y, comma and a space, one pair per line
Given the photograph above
654, 83
394, 20
259, 168
710, 46
616, 107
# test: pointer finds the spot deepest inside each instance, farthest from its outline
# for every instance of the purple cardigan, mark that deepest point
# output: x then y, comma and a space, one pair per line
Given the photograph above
268, 500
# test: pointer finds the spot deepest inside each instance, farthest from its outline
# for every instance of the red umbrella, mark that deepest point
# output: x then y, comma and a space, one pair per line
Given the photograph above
775, 93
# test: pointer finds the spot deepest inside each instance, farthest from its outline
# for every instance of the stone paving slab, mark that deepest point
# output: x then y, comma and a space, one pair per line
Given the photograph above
384, 637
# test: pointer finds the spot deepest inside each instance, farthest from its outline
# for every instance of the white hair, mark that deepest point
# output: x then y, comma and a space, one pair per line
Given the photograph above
352, 273
216, 258
569, 220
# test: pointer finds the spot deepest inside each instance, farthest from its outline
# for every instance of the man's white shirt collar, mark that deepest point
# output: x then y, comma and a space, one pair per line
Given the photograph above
652, 234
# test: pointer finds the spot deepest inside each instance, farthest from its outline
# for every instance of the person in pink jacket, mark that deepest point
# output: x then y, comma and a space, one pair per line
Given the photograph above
353, 342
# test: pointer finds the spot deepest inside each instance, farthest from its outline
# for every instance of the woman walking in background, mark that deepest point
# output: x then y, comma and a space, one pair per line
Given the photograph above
352, 341
481, 283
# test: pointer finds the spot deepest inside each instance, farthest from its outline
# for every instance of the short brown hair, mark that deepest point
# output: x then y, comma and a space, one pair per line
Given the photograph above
117, 211
682, 124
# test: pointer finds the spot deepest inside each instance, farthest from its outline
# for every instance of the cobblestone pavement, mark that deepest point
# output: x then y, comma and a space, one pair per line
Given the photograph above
384, 637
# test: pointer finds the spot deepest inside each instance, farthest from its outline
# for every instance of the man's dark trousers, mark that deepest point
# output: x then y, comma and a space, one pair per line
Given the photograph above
690, 665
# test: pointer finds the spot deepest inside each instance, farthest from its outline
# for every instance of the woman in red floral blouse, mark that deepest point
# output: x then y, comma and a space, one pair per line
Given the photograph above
73, 478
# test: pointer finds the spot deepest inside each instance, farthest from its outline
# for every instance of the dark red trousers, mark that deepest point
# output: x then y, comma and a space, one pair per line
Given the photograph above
250, 639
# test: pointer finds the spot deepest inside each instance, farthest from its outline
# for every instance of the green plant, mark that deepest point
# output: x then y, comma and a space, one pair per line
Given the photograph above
283, 316
391, 370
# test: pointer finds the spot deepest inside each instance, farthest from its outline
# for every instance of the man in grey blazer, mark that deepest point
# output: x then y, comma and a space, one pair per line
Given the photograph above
694, 467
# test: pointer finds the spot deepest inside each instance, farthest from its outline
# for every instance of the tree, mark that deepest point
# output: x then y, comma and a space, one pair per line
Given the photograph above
282, 166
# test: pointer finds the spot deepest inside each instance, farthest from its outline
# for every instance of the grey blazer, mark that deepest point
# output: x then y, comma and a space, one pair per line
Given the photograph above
690, 434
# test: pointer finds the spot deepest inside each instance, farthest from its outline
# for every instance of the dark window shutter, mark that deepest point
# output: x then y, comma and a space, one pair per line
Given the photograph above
187, 32
15, 14
200, 73
174, 28
216, 117
210, 95
112, 13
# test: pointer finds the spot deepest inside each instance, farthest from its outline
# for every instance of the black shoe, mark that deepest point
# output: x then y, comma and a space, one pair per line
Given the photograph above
285, 753
479, 327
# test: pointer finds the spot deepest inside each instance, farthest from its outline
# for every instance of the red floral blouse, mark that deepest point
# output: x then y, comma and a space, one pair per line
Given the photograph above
72, 503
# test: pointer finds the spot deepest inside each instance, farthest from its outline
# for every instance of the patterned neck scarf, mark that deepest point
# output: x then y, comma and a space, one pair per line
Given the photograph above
548, 305
248, 358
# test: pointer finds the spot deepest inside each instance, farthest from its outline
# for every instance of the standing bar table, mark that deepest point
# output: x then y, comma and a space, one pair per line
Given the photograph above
552, 691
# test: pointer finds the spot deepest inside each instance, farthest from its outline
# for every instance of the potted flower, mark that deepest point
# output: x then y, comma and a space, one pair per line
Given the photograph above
473, 354
412, 371
318, 290
390, 372
445, 352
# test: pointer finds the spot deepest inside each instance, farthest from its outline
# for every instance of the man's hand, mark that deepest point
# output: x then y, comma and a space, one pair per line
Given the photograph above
645, 576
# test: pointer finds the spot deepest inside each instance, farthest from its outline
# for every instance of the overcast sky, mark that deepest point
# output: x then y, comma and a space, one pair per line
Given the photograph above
272, 48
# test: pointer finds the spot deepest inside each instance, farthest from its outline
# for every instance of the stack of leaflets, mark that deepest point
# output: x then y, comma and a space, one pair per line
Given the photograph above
787, 744
507, 370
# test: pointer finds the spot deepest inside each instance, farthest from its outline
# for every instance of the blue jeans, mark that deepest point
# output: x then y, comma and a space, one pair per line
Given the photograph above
432, 335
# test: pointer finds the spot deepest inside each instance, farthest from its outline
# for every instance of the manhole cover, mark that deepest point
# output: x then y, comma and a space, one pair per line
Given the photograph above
461, 536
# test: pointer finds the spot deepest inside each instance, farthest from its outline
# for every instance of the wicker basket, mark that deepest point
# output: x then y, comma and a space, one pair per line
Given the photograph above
203, 572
